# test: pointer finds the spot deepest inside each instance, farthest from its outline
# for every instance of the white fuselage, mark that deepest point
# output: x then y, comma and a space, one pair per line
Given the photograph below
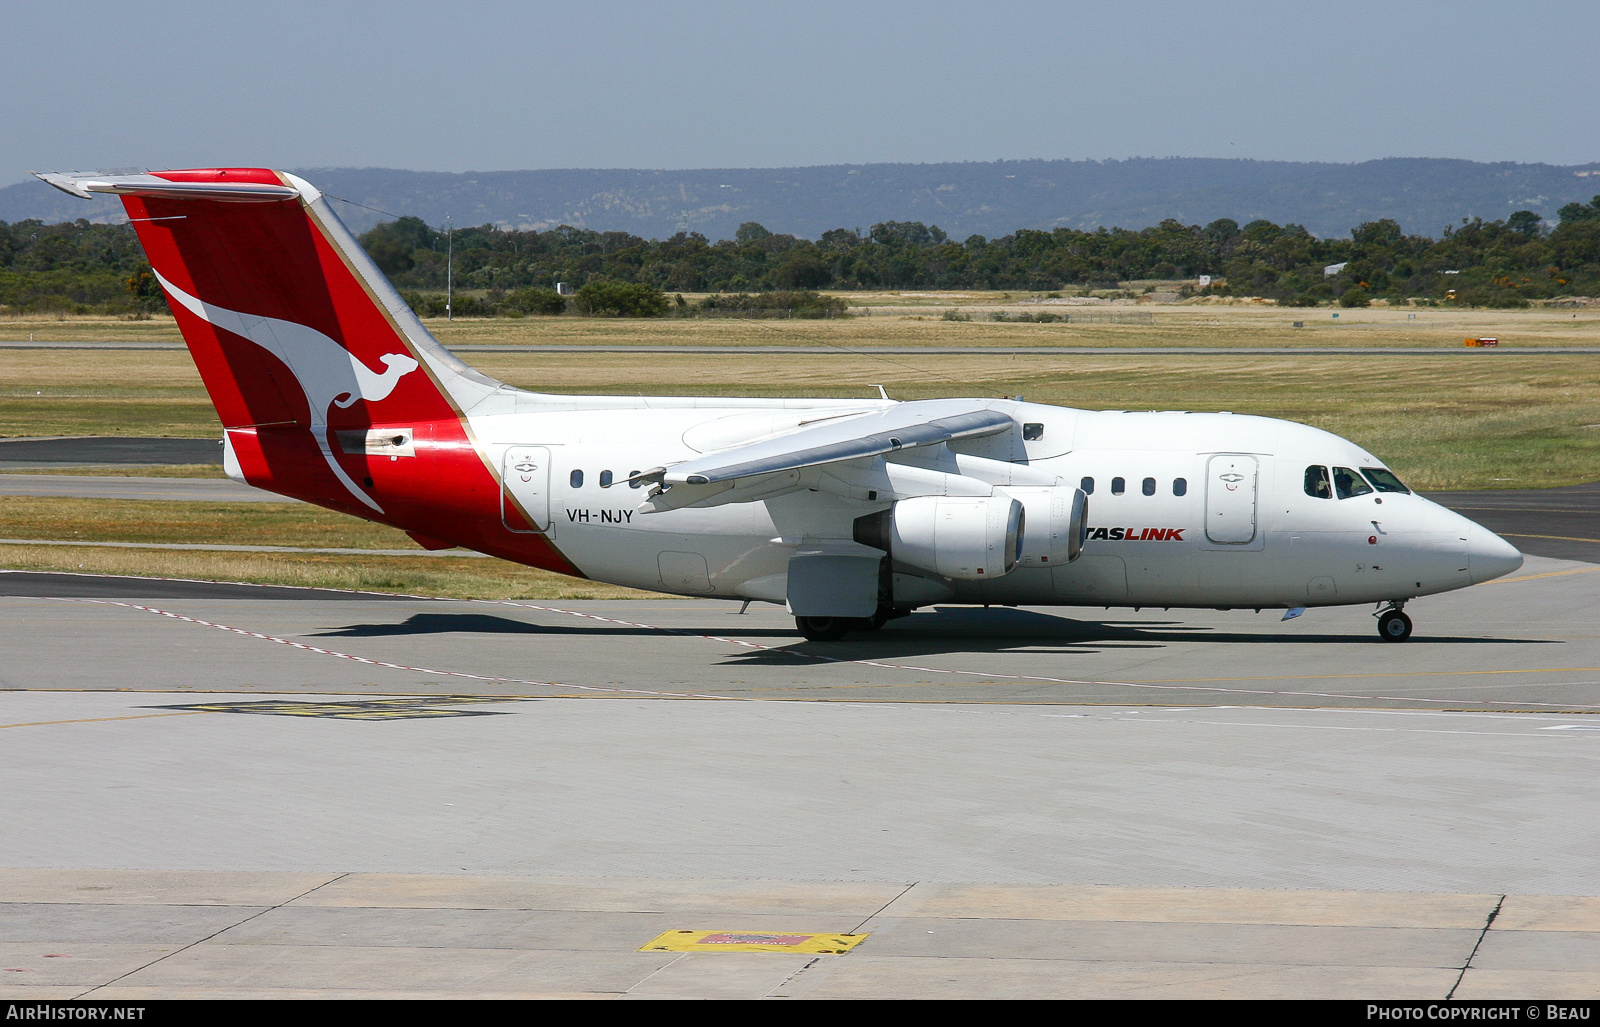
1185, 509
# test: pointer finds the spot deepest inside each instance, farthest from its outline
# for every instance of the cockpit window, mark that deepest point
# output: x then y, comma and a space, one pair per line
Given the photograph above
1347, 483
1384, 480
1317, 482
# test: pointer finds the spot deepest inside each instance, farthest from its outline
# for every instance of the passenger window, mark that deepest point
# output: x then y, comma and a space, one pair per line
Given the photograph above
605, 479
1384, 480
633, 479
1180, 487
1087, 485
1118, 486
576, 479
1032, 431
1148, 486
1317, 483
1347, 483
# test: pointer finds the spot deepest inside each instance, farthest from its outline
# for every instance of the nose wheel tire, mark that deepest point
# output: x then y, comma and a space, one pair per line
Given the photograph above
1394, 626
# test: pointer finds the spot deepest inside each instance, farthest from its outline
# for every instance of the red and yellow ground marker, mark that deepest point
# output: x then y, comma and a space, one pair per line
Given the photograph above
753, 941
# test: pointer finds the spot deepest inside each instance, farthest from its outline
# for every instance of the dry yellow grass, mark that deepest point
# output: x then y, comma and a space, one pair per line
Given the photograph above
442, 576
236, 524
913, 319
263, 524
1459, 420
1187, 326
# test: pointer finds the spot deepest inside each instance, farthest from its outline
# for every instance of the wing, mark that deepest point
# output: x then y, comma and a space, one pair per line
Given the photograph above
902, 426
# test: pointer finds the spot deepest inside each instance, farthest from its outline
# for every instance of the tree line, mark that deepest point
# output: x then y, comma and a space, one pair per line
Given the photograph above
80, 267
75, 267
1475, 263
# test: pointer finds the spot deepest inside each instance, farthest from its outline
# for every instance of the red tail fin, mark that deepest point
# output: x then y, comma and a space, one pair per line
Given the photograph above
328, 387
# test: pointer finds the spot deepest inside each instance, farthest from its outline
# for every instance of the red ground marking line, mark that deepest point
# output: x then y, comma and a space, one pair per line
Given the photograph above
383, 663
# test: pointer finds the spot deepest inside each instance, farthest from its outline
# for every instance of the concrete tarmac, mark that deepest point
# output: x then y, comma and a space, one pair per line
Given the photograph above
1007, 803
68, 451
1527, 642
104, 486
256, 845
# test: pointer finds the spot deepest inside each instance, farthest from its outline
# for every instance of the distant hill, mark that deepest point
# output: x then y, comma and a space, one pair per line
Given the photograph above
991, 199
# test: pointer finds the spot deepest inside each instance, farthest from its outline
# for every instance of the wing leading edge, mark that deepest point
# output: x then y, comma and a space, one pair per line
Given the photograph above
903, 426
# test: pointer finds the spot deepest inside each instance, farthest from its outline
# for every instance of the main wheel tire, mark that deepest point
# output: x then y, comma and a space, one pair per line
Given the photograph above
1394, 626
823, 629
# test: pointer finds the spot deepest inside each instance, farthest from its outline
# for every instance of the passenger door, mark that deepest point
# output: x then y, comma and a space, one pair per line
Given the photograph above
525, 490
1231, 499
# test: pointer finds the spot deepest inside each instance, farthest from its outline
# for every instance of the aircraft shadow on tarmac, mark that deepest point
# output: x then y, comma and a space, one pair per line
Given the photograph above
973, 630
484, 624
945, 630
477, 624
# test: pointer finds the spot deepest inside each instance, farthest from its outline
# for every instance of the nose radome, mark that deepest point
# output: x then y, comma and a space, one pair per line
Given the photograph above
1489, 556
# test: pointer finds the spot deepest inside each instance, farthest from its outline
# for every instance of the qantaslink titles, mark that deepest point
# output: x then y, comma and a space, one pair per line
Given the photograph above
1138, 534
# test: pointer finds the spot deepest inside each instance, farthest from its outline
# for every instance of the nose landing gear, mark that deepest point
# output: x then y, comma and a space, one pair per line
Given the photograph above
1393, 624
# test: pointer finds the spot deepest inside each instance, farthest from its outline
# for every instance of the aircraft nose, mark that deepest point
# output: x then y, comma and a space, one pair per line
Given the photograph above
1489, 556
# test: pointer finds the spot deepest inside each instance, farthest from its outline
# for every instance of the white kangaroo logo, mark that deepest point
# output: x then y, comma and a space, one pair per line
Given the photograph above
327, 373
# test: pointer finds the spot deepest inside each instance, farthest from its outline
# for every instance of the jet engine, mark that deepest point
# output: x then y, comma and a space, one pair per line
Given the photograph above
1057, 522
953, 536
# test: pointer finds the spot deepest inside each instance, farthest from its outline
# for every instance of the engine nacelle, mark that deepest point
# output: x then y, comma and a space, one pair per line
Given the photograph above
1057, 522
953, 536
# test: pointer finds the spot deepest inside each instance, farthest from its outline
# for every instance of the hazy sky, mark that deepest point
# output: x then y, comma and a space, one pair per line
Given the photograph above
454, 86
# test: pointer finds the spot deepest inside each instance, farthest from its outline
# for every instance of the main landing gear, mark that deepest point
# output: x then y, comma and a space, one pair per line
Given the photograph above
1393, 624
831, 629
827, 629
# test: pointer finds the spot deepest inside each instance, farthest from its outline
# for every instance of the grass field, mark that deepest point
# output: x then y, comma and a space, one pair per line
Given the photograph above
914, 319
1462, 419
438, 576
262, 524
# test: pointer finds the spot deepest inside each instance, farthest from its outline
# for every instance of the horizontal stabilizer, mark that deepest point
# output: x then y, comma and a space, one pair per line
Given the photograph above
85, 186
902, 426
